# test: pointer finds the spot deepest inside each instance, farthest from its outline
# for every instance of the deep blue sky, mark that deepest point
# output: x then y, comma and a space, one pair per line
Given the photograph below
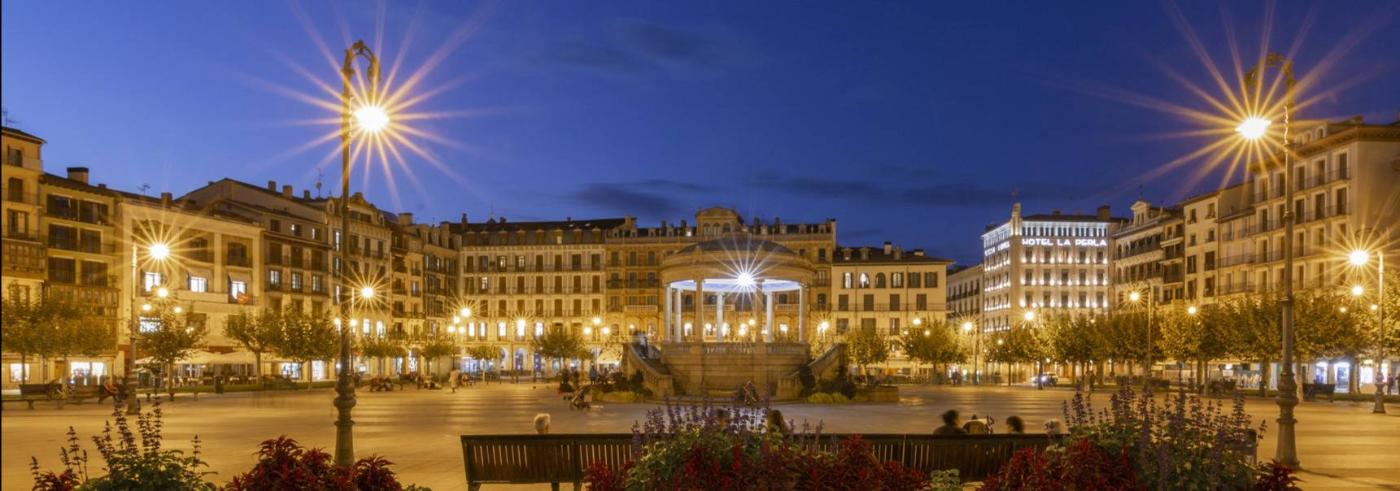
911, 122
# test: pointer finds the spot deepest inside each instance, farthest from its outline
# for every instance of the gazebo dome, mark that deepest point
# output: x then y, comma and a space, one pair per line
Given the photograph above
737, 245
737, 262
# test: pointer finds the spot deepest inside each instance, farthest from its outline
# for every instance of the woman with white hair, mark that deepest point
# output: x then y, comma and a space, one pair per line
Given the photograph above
1054, 427
542, 423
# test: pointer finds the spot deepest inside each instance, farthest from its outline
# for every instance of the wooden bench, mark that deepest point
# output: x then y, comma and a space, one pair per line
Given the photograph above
28, 401
1311, 391
564, 458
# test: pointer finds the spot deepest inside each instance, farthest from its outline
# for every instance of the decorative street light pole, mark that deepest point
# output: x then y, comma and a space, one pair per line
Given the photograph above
1360, 258
977, 347
371, 118
1255, 128
1136, 297
158, 252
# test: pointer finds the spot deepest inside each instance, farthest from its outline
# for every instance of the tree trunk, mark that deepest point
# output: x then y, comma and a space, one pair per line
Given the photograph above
1353, 382
1264, 378
306, 372
23, 368
257, 365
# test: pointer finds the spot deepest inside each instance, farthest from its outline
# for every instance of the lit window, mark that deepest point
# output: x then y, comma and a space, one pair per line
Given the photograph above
198, 284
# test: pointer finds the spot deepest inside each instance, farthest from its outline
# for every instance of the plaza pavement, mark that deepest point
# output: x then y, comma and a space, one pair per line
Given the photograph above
1342, 445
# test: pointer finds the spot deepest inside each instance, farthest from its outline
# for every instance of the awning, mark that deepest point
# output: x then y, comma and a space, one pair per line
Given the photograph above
200, 272
241, 276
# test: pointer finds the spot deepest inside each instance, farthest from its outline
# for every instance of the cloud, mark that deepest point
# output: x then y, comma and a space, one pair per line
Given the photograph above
593, 56
901, 191
632, 47
654, 196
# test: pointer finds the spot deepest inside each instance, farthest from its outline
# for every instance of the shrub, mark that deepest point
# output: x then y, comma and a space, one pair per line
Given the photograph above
691, 448
285, 464
808, 381
1274, 476
133, 459
827, 398
1081, 465
1180, 442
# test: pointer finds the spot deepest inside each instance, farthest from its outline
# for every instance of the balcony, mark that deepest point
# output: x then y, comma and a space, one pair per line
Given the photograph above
77, 216
98, 301
20, 197
203, 256
238, 261
24, 258
71, 244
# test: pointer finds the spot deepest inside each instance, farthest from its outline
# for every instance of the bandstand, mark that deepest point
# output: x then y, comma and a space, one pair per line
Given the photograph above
736, 311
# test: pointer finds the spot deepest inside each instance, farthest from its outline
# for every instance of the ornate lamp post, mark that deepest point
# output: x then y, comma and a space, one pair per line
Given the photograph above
370, 119
1361, 258
158, 251
1255, 128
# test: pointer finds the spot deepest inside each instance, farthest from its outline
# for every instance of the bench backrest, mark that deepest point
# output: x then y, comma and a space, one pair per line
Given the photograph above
523, 459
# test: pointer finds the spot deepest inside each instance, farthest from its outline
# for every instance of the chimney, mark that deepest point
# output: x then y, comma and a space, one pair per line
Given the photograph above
165, 199
287, 191
464, 220
79, 174
306, 194
898, 253
405, 219
1103, 213
888, 248
865, 254
919, 252
846, 253
272, 185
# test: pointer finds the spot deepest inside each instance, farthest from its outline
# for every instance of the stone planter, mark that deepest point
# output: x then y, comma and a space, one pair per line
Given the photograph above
883, 393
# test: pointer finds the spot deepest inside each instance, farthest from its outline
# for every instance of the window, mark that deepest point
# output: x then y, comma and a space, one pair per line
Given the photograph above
846, 280
151, 280
237, 289
864, 280
930, 280
274, 278
296, 229
896, 280
296, 281
199, 284
274, 225
316, 283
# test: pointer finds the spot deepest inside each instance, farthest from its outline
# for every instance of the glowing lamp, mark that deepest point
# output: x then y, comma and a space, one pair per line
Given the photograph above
1134, 296
1029, 316
587, 331
367, 292
145, 307
1358, 257
1253, 128
162, 292
607, 330
597, 321
1357, 290
465, 312
371, 118
745, 279
967, 326
159, 251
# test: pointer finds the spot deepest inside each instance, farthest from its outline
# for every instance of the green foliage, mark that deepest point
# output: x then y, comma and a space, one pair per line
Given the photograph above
483, 352
257, 333
307, 336
559, 342
436, 347
1075, 338
867, 347
176, 336
133, 458
50, 326
936, 343
1019, 345
828, 398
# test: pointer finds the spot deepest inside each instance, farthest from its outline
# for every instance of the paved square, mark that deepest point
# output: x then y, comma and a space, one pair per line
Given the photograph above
1342, 444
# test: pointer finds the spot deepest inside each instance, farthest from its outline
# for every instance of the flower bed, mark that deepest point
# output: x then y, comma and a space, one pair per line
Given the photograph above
733, 448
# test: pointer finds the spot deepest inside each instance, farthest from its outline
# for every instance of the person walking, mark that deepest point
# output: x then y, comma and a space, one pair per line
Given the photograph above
455, 378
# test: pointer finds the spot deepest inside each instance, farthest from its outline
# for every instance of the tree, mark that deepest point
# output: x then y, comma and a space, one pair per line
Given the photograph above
1254, 332
257, 333
174, 338
437, 347
382, 348
558, 343
867, 348
307, 337
483, 353
1076, 339
1019, 345
935, 344
23, 328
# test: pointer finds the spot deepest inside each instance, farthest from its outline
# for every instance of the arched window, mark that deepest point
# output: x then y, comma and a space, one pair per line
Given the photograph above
879, 280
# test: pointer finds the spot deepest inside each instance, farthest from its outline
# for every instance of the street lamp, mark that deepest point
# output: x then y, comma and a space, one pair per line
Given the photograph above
159, 252
1360, 258
1255, 128
370, 119
1136, 297
977, 347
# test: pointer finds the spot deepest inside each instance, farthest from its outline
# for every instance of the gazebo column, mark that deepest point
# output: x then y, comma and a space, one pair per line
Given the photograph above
801, 312
666, 319
679, 325
768, 306
719, 313
700, 308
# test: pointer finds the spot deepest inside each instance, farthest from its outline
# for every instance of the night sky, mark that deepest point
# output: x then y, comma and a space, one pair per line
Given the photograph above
906, 121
